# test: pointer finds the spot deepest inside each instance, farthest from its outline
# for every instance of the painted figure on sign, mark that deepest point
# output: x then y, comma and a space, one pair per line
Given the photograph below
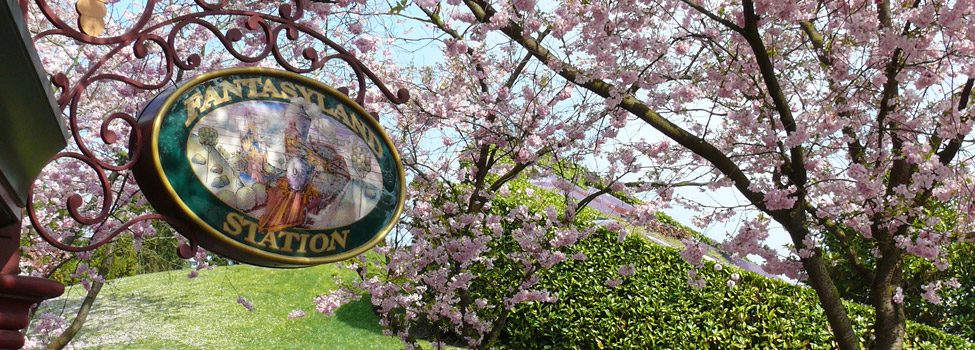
253, 156
315, 174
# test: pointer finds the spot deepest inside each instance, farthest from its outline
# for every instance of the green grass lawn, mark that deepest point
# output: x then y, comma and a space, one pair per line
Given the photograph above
170, 311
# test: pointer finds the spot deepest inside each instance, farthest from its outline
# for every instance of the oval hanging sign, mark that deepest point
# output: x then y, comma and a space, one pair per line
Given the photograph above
270, 168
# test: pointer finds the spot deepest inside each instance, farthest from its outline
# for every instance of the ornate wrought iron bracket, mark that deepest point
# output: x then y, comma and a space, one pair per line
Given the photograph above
143, 34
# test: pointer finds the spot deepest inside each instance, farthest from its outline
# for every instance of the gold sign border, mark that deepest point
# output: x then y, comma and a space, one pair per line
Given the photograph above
192, 83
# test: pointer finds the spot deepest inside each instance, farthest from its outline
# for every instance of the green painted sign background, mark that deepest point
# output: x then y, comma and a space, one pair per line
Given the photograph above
174, 135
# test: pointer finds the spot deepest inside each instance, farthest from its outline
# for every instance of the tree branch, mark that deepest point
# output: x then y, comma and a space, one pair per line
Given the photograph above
482, 12
954, 145
854, 147
714, 17
846, 247
62, 340
796, 170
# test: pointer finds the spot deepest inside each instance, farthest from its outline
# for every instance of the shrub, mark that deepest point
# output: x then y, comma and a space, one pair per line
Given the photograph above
656, 308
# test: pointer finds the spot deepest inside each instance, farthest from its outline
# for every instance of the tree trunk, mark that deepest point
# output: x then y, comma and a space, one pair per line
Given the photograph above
890, 325
822, 283
492, 337
829, 299
62, 340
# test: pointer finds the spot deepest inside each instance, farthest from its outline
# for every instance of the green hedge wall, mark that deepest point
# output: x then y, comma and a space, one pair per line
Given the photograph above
657, 309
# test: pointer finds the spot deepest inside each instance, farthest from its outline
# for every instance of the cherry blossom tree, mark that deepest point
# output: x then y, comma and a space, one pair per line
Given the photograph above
838, 120
477, 122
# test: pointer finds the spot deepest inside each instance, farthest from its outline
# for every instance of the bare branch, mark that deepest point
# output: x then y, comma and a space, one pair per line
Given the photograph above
713, 16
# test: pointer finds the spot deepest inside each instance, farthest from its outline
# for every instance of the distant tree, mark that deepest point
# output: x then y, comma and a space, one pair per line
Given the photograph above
208, 136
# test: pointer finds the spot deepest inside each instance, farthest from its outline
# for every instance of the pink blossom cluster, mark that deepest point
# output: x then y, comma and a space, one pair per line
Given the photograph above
616, 227
626, 270
733, 280
328, 303
47, 326
296, 314
931, 292
525, 296
643, 214
931, 289
898, 295
694, 280
694, 252
87, 275
778, 199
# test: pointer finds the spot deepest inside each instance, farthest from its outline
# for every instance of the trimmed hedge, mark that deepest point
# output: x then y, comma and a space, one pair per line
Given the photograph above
657, 309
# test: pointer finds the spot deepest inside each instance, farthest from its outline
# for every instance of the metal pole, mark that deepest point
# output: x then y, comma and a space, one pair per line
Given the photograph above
18, 294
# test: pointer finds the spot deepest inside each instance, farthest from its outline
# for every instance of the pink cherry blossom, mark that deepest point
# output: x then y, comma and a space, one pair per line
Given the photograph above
246, 304
931, 292
328, 303
626, 270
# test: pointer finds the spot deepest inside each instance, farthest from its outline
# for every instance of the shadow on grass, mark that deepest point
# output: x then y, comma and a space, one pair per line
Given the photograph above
359, 314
